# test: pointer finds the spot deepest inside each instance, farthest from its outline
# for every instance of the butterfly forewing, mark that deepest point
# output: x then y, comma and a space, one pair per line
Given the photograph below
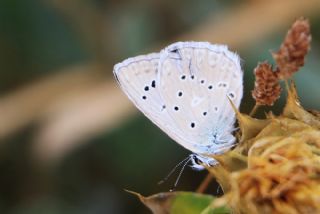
195, 80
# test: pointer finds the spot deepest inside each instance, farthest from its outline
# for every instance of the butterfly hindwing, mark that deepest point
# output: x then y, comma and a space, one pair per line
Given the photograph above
138, 78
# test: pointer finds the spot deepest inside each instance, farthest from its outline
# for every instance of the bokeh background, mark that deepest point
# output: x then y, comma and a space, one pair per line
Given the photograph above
71, 142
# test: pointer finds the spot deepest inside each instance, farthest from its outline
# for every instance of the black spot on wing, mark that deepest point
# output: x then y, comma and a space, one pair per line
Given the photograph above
153, 84
231, 95
222, 85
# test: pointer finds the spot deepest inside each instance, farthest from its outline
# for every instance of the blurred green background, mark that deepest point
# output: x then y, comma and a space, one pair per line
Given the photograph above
71, 142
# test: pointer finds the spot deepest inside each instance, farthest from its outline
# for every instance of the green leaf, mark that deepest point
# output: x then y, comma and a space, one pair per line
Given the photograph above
181, 202
217, 210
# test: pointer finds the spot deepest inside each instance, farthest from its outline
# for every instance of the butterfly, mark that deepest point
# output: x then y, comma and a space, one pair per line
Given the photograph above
186, 91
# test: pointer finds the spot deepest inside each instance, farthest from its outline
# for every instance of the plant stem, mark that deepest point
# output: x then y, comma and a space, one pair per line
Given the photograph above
287, 84
205, 183
254, 110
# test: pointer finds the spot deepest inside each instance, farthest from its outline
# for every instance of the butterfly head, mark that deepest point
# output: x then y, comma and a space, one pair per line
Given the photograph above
200, 162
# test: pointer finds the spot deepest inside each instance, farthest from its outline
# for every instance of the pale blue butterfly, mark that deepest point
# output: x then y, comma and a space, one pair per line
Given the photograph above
184, 90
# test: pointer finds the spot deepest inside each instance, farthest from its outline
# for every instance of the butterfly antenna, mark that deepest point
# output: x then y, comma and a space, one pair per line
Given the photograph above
180, 173
174, 169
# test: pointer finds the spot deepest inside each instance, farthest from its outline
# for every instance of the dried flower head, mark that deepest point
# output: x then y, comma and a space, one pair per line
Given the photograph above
293, 50
285, 180
267, 88
282, 174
